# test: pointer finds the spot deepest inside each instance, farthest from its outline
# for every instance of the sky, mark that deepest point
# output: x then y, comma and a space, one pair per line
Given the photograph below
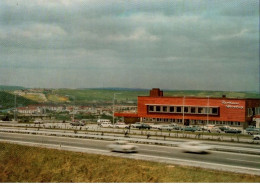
175, 44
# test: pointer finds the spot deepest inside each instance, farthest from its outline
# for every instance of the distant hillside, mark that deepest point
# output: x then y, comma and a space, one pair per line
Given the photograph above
10, 88
7, 100
84, 96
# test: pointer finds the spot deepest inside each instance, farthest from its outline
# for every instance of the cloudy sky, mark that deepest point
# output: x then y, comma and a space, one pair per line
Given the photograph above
176, 44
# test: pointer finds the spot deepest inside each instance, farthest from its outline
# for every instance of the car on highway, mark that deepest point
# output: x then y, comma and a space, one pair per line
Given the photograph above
194, 147
123, 146
256, 137
121, 125
233, 131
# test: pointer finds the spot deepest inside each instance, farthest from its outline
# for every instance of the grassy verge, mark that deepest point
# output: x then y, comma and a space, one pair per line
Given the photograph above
30, 164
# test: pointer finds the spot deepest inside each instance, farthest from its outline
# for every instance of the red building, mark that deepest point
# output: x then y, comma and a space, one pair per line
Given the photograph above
157, 108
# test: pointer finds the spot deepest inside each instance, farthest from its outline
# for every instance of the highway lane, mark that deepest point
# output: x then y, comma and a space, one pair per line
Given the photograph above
173, 140
215, 157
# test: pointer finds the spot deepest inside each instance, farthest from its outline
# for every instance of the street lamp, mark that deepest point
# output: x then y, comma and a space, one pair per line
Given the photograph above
73, 105
114, 107
208, 111
183, 110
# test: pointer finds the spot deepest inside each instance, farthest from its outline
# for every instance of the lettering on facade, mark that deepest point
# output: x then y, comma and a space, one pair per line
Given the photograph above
232, 105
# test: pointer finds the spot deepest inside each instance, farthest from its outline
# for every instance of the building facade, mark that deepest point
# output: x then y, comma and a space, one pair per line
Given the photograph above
157, 108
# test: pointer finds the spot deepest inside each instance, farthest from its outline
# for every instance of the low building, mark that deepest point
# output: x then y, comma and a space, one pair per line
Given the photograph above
157, 108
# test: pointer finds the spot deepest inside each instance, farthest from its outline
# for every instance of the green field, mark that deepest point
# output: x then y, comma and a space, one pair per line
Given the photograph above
30, 164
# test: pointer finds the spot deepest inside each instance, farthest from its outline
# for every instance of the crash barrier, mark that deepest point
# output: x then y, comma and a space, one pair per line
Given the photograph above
101, 136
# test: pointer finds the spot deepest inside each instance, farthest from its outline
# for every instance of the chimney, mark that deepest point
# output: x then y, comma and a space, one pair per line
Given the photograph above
156, 92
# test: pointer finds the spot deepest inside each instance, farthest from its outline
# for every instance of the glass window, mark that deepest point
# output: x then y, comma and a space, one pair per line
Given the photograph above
178, 109
171, 109
200, 109
164, 108
151, 108
192, 109
158, 108
214, 110
186, 109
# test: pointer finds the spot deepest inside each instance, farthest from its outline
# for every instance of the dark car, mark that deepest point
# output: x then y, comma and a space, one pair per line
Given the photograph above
143, 126
233, 131
224, 128
77, 123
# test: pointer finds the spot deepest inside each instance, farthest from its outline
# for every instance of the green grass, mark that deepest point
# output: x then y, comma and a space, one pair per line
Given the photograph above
30, 164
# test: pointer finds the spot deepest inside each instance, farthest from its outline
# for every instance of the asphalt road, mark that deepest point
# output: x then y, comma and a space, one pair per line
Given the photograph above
222, 159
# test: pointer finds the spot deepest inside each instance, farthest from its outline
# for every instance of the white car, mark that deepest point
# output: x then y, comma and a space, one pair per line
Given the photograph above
155, 126
106, 125
195, 147
121, 125
123, 146
256, 137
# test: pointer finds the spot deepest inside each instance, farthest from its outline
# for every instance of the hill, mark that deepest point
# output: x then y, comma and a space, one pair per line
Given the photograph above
7, 100
11, 88
84, 96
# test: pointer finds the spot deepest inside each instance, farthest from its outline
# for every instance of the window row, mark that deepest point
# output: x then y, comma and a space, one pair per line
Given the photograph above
192, 122
182, 109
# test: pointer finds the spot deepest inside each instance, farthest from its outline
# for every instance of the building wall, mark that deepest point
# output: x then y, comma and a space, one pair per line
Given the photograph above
229, 109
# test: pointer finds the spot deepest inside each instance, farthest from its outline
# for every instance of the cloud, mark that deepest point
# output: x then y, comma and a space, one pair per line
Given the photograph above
140, 40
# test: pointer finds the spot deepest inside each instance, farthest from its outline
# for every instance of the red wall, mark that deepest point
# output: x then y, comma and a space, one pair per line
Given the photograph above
225, 113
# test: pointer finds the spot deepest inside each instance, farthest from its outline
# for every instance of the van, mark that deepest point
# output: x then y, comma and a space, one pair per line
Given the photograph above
100, 121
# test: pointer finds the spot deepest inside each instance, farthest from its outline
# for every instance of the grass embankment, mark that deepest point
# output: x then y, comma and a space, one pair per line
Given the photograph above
31, 164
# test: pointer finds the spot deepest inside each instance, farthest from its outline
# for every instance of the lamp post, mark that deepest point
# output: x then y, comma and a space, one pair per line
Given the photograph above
114, 107
15, 107
208, 111
183, 110
73, 105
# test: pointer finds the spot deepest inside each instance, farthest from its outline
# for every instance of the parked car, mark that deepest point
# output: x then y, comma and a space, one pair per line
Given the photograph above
100, 121
136, 124
251, 130
143, 126
166, 127
256, 137
121, 125
189, 128
214, 130
106, 125
195, 147
223, 128
155, 126
123, 146
233, 131
77, 123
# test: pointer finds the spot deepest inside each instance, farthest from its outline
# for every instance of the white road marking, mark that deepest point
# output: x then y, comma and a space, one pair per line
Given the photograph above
155, 150
198, 162
242, 160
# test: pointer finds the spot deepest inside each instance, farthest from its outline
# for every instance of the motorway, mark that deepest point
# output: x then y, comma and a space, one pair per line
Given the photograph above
236, 162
